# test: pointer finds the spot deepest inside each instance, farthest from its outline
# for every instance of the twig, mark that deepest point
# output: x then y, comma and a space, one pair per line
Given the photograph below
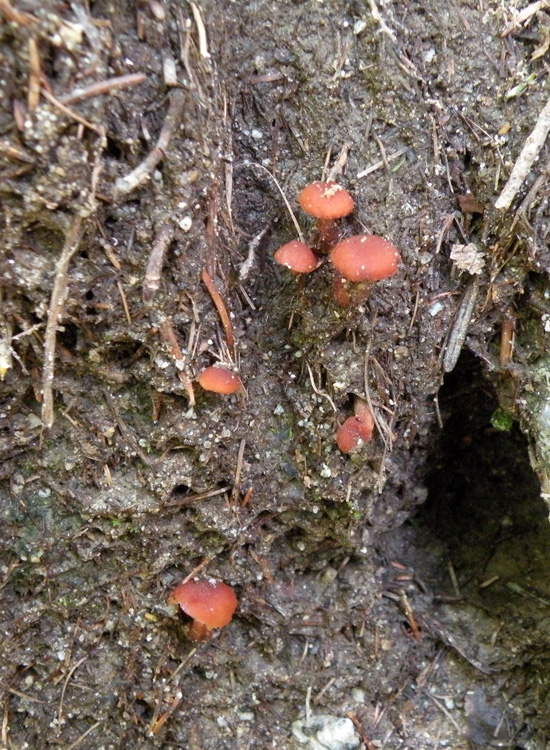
280, 189
195, 498
35, 74
103, 87
317, 390
72, 670
153, 273
526, 159
124, 303
157, 723
524, 15
238, 471
143, 171
221, 308
379, 164
167, 333
384, 28
203, 44
54, 313
338, 166
83, 736
70, 113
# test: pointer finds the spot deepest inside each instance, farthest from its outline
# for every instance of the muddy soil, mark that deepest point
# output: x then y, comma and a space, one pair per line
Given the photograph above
151, 156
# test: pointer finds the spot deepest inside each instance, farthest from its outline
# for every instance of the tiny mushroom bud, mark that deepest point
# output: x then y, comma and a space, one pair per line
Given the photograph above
326, 201
211, 604
355, 432
365, 257
219, 380
297, 257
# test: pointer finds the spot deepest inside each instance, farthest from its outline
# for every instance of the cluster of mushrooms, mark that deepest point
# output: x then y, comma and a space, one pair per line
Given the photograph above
358, 260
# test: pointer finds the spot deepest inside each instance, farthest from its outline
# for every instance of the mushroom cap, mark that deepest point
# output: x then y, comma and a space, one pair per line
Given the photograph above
219, 380
297, 256
326, 200
365, 257
212, 603
353, 433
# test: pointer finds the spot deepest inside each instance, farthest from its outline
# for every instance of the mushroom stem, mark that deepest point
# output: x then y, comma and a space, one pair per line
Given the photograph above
346, 293
199, 632
327, 235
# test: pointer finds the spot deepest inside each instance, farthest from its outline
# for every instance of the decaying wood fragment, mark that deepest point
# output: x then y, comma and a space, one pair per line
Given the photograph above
461, 323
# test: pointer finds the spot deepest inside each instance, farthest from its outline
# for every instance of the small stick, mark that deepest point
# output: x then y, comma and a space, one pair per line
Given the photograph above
523, 15
203, 44
83, 736
281, 191
167, 333
338, 166
221, 308
151, 282
124, 303
366, 741
143, 171
195, 498
526, 159
409, 614
381, 163
70, 113
35, 74
158, 723
507, 331
103, 87
54, 313
238, 471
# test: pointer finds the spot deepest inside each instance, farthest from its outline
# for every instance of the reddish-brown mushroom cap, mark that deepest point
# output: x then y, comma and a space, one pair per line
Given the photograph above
211, 603
297, 256
365, 257
219, 380
353, 433
326, 200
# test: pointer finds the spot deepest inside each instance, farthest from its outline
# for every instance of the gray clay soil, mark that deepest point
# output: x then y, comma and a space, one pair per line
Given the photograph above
397, 598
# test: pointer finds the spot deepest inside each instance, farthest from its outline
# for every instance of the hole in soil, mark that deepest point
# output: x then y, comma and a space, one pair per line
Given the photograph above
482, 491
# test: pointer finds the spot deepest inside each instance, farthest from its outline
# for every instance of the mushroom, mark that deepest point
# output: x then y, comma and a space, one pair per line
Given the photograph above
361, 259
219, 380
356, 430
210, 603
297, 257
365, 257
326, 201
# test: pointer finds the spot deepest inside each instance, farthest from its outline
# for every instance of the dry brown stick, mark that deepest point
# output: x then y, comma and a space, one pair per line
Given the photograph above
70, 113
144, 170
103, 87
57, 300
167, 333
221, 308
